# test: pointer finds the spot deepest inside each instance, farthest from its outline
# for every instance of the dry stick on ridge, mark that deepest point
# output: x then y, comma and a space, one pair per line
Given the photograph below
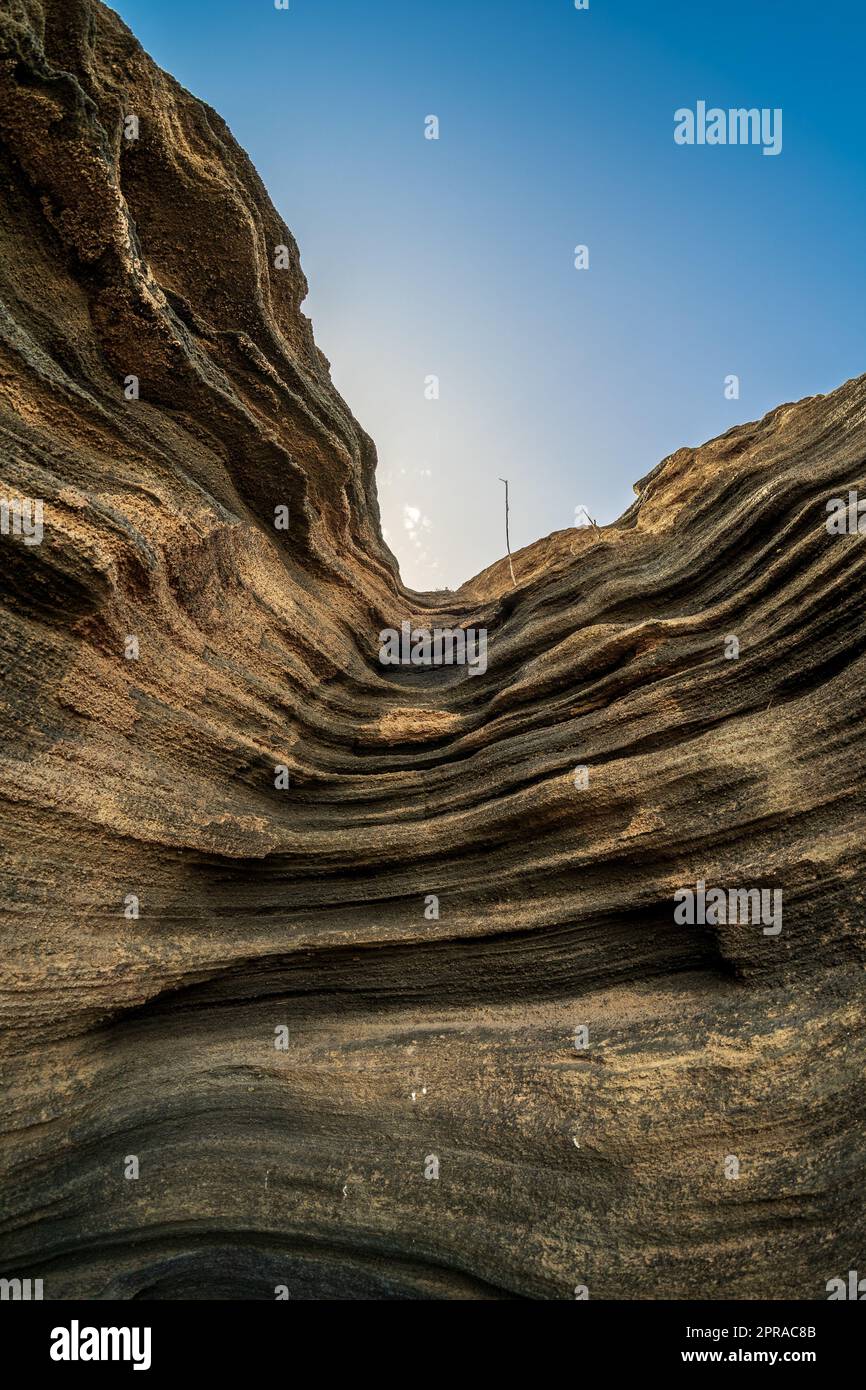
507, 540
596, 530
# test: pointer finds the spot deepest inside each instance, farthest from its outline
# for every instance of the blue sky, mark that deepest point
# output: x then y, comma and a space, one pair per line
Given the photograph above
455, 257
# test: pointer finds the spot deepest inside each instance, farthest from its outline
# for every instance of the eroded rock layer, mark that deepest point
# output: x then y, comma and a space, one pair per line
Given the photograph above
412, 1037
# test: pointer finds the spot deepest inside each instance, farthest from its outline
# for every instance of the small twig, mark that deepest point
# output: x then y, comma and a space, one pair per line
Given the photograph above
591, 522
507, 540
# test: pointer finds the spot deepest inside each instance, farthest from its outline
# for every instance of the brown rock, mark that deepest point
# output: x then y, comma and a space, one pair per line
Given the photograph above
411, 1036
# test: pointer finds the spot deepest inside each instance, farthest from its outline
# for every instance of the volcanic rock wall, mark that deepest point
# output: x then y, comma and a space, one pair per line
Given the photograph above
422, 1022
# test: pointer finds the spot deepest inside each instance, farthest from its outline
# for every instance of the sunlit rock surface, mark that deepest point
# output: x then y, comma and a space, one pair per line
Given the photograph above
417, 1043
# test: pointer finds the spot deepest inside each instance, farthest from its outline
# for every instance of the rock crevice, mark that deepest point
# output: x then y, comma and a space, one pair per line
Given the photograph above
440, 899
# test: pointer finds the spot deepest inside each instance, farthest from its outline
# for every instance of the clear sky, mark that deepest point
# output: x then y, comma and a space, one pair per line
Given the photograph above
455, 257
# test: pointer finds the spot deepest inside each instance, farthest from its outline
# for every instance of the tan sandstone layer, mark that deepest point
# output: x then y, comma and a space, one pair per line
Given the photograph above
408, 1037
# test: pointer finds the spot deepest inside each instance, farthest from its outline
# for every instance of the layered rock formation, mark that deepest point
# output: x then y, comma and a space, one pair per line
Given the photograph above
147, 785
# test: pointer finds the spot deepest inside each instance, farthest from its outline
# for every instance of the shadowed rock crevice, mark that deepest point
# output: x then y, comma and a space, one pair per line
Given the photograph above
414, 1032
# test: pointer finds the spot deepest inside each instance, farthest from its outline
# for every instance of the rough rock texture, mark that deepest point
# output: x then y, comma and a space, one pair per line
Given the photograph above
260, 907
